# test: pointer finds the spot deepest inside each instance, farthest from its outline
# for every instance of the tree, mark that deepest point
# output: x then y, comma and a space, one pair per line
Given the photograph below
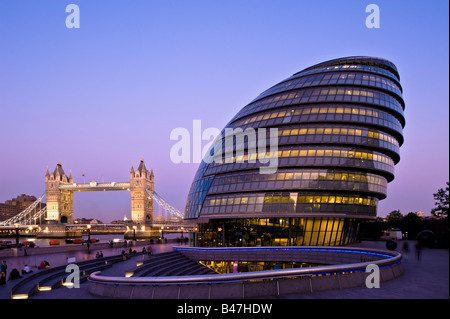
442, 202
394, 216
411, 218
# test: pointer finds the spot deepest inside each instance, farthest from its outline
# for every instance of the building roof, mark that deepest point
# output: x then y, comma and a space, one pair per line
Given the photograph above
142, 168
59, 170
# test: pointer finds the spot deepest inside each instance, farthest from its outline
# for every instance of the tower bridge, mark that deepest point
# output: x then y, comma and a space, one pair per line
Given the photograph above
60, 189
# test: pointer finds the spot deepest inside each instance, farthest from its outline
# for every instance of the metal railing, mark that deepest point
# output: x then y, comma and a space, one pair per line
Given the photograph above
386, 259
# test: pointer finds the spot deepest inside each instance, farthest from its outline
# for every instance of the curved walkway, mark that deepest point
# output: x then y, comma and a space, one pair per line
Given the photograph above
424, 279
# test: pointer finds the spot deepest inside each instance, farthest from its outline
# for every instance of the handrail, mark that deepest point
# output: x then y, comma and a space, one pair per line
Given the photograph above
390, 258
357, 250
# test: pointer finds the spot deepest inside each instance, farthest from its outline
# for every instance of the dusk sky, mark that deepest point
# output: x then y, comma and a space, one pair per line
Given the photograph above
101, 96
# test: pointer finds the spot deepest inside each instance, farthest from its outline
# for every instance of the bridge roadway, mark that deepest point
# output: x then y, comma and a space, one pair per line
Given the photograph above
168, 226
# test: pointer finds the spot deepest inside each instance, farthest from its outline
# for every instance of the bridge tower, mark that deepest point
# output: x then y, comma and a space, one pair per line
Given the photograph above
59, 202
141, 205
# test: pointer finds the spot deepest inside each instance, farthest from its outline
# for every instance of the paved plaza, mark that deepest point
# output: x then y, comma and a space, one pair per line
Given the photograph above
424, 279
427, 278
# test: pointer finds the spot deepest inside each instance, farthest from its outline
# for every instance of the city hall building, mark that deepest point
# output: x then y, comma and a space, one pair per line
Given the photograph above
338, 132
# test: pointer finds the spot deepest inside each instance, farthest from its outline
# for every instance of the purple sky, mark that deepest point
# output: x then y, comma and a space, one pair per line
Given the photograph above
100, 97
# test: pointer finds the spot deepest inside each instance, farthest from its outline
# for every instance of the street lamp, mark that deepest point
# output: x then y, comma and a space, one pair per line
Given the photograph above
89, 236
134, 232
16, 226
162, 232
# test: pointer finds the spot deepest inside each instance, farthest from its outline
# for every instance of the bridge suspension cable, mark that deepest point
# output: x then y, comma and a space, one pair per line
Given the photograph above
27, 215
172, 211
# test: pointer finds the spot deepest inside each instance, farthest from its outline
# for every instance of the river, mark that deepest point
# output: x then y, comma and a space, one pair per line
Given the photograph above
44, 242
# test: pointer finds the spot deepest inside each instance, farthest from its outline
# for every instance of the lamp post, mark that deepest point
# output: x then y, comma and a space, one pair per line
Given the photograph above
16, 226
134, 232
89, 236
162, 232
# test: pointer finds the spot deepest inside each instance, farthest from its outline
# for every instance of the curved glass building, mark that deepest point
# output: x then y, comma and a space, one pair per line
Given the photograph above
334, 131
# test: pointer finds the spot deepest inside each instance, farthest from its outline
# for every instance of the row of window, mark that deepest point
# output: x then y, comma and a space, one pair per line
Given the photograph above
307, 174
363, 60
300, 184
340, 140
387, 170
302, 136
338, 134
310, 151
324, 112
252, 209
348, 67
334, 78
292, 202
339, 131
329, 94
291, 198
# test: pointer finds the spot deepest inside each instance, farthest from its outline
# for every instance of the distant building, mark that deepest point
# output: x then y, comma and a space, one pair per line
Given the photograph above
124, 221
14, 206
420, 214
87, 221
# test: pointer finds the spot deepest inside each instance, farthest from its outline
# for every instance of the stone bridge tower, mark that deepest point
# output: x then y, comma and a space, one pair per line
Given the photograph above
141, 204
59, 202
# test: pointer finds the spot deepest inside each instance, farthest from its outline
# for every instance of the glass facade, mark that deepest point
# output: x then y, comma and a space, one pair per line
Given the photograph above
339, 129
278, 232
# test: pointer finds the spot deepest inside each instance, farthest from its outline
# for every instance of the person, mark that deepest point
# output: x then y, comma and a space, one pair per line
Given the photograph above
405, 250
3, 267
44, 264
418, 251
144, 251
26, 269
2, 278
14, 274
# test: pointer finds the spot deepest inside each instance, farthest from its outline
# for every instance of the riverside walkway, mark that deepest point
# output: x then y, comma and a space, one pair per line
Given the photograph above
427, 278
